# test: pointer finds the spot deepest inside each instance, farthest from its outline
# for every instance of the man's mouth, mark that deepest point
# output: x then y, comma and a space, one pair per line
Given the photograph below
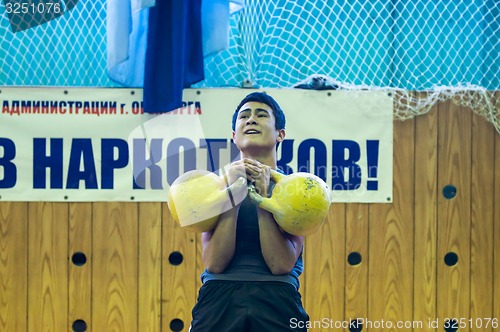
252, 132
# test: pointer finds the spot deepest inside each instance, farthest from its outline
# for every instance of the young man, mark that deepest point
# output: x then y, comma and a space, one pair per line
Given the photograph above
252, 266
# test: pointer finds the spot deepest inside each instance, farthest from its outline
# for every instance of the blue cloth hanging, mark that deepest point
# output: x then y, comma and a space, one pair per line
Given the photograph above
127, 28
174, 55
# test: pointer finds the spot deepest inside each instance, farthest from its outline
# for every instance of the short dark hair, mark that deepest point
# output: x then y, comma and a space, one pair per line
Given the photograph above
264, 98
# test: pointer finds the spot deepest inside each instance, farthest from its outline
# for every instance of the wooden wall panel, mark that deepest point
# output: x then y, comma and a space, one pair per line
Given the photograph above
391, 238
496, 225
356, 275
80, 276
179, 290
200, 266
324, 266
482, 210
47, 267
425, 219
128, 283
150, 262
13, 266
115, 267
454, 168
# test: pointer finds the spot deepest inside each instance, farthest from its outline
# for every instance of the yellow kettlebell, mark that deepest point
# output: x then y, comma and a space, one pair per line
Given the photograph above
299, 202
198, 197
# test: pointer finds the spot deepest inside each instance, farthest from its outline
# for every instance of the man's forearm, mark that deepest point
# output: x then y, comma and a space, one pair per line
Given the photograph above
278, 250
219, 245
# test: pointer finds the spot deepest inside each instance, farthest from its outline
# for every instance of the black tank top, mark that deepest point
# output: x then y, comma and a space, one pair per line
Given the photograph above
248, 264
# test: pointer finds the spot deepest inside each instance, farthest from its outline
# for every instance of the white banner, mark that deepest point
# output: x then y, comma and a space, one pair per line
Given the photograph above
82, 144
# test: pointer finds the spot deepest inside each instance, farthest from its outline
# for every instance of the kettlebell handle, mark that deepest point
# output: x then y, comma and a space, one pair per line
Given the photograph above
277, 176
252, 192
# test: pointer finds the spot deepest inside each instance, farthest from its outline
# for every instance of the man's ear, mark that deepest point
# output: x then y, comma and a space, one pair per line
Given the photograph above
281, 135
233, 134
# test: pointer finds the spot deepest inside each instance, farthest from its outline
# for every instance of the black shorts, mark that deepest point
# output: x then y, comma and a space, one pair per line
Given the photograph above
241, 306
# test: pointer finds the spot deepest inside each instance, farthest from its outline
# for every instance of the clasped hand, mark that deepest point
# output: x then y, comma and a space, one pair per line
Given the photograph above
255, 172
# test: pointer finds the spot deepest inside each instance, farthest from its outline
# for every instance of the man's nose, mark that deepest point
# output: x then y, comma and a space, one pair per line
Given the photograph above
251, 120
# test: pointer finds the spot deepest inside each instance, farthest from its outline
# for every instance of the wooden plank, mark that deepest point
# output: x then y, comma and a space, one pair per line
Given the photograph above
179, 290
425, 219
482, 210
13, 266
496, 224
47, 267
324, 266
150, 266
115, 265
391, 238
454, 168
200, 266
356, 276
80, 276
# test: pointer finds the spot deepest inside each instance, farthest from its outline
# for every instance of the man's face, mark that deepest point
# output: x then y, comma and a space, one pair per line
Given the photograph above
255, 127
